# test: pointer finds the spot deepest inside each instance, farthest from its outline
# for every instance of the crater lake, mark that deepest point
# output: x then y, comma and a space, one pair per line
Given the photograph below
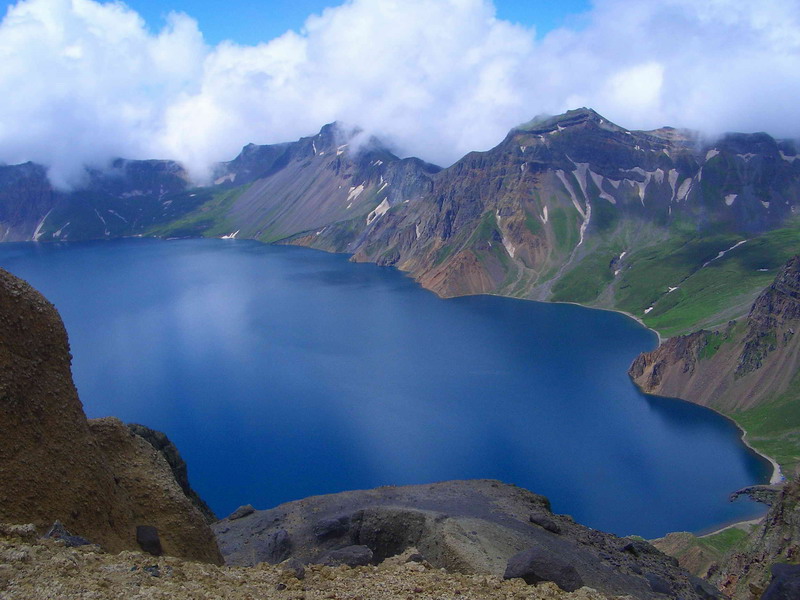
281, 372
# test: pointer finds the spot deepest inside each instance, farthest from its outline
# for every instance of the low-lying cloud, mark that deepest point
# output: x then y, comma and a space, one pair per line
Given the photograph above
83, 82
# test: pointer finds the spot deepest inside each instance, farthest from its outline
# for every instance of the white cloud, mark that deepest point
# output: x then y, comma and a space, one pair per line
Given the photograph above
83, 82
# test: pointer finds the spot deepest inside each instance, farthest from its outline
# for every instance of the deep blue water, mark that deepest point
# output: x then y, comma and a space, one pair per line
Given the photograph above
283, 372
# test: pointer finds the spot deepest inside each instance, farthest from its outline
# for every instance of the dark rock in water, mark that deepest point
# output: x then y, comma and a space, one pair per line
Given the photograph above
352, 556
785, 584
59, 532
328, 528
274, 548
242, 511
148, 539
536, 565
546, 523
658, 584
766, 494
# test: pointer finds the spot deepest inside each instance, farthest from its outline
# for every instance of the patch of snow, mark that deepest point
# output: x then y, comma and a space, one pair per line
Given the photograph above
711, 154
340, 149
647, 310
684, 190
581, 174
672, 289
510, 248
38, 232
418, 230
763, 270
617, 272
376, 163
116, 214
747, 156
585, 223
229, 177
232, 236
383, 187
523, 148
614, 182
522, 168
673, 179
355, 192
571, 192
379, 211
314, 147
658, 175
544, 214
730, 198
190, 196
787, 158
598, 181
133, 194
765, 204
57, 234
723, 253
100, 217
621, 256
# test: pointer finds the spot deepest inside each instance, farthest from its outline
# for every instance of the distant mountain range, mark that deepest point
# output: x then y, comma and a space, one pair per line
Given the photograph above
679, 231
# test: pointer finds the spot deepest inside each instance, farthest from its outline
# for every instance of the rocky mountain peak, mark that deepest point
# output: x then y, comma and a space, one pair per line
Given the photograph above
571, 118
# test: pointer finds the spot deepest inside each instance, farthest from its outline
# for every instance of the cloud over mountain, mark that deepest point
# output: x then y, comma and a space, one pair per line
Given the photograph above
82, 82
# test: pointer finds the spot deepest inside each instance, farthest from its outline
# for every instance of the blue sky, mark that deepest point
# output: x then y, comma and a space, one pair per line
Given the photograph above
249, 22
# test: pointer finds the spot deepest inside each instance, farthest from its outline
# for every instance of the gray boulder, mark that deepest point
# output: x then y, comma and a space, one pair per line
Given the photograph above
352, 556
536, 565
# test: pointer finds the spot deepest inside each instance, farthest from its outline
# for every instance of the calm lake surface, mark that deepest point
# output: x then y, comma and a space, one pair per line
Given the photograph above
283, 372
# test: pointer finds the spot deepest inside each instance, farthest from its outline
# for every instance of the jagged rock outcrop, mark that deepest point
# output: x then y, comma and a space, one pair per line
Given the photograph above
98, 478
464, 526
739, 367
745, 574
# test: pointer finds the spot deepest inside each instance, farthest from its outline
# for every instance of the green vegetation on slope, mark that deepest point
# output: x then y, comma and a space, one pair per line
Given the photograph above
774, 428
585, 282
207, 220
726, 287
724, 541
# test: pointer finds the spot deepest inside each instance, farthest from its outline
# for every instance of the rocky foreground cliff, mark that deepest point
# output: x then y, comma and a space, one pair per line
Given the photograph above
97, 477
